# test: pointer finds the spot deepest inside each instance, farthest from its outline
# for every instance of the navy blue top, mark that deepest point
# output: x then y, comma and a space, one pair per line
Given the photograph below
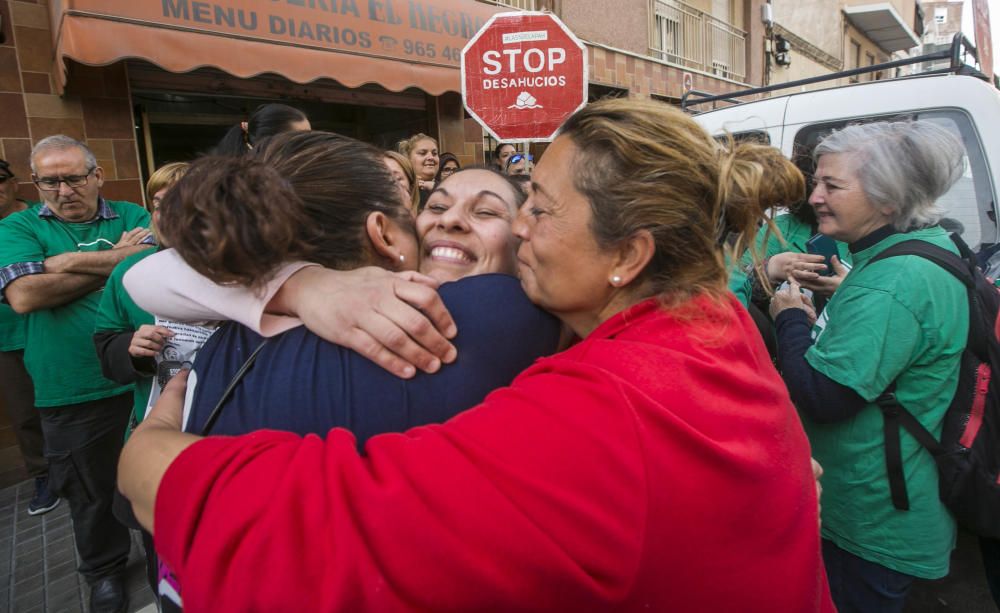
304, 384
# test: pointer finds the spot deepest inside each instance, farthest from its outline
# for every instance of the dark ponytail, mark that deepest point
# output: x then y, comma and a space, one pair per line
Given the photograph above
267, 120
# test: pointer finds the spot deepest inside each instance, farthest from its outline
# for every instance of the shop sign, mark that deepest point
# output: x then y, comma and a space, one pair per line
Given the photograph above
523, 75
429, 32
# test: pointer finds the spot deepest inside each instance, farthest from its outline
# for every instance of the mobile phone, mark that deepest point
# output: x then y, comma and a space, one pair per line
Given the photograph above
825, 246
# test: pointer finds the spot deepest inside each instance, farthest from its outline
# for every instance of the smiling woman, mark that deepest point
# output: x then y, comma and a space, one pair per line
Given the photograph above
422, 151
465, 228
898, 324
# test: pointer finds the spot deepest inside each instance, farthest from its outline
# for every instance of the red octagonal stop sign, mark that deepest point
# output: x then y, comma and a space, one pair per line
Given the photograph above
523, 74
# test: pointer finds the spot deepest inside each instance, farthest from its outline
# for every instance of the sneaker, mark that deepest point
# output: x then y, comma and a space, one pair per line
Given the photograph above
44, 500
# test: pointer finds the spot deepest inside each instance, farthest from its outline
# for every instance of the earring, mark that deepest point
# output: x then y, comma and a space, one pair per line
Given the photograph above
402, 258
616, 280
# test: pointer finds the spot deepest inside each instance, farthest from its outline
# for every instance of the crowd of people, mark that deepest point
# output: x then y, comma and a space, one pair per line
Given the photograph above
591, 384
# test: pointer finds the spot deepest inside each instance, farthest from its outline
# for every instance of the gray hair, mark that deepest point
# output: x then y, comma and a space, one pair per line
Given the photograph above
61, 141
902, 165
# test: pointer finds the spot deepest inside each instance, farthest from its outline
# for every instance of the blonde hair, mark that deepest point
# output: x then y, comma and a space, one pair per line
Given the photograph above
404, 163
646, 166
406, 145
164, 176
764, 176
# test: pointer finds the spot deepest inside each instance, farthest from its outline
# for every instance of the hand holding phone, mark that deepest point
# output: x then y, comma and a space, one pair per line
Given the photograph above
825, 246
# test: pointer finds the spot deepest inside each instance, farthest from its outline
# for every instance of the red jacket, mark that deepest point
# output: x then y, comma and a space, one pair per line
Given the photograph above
657, 465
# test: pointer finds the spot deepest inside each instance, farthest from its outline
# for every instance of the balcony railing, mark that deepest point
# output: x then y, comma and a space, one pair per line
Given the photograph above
524, 5
685, 36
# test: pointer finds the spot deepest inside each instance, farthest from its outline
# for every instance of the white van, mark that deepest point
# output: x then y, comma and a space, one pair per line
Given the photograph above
966, 105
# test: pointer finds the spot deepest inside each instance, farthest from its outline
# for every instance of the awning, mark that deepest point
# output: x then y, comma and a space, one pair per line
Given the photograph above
883, 25
394, 43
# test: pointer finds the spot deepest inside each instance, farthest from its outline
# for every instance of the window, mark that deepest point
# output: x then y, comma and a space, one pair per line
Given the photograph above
599, 92
854, 59
941, 15
870, 62
968, 204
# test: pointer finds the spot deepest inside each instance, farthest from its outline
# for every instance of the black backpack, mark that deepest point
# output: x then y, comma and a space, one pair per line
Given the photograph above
968, 454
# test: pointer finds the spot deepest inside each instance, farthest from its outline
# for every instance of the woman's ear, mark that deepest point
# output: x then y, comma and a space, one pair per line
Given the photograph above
384, 236
634, 255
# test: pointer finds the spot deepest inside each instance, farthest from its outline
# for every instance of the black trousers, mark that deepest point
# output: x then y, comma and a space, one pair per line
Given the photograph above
19, 396
83, 442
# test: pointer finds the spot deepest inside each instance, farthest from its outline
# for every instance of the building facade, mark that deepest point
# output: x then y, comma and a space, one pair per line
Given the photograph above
825, 36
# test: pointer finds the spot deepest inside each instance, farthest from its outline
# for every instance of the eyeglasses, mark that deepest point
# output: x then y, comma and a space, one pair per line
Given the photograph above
517, 157
51, 184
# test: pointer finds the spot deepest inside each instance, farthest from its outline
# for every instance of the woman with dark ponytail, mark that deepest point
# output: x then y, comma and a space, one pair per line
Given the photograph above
267, 120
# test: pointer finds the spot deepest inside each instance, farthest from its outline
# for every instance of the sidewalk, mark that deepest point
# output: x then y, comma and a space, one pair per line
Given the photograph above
38, 560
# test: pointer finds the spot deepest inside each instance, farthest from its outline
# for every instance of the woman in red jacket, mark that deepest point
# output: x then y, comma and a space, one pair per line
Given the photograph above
656, 465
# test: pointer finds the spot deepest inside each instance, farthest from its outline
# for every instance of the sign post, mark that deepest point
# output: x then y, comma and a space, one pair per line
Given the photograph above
523, 75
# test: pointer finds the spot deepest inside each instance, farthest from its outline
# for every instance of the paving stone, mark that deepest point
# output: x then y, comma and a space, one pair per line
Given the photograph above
68, 602
60, 544
65, 583
58, 529
27, 600
29, 546
65, 569
27, 531
29, 584
25, 566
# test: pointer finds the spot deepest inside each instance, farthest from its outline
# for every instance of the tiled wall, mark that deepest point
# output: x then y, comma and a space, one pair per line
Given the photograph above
95, 109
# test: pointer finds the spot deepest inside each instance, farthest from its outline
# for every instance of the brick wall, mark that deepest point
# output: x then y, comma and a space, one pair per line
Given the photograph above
95, 109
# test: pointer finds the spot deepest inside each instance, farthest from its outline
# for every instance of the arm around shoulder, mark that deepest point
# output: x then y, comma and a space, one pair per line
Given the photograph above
523, 455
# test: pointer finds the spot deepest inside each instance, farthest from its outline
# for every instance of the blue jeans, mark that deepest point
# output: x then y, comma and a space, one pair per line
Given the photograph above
860, 586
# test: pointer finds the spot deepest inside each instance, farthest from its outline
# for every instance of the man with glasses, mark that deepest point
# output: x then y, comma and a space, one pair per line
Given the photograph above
54, 261
15, 383
519, 164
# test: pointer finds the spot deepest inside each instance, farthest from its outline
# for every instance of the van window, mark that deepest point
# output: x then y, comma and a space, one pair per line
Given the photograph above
969, 203
761, 137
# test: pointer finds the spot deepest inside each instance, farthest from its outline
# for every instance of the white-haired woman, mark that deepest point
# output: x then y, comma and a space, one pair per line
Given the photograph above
899, 321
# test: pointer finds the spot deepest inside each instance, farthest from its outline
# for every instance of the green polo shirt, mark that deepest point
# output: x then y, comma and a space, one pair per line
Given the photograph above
901, 319
119, 313
795, 233
13, 326
59, 353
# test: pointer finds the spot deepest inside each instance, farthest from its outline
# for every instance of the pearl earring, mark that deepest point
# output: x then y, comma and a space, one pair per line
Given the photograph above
616, 280
402, 258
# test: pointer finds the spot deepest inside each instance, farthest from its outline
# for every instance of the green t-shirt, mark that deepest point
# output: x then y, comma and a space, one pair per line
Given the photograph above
12, 329
119, 313
901, 319
13, 326
59, 353
794, 231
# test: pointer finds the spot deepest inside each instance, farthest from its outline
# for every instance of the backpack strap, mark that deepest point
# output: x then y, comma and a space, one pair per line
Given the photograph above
956, 265
894, 414
217, 410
